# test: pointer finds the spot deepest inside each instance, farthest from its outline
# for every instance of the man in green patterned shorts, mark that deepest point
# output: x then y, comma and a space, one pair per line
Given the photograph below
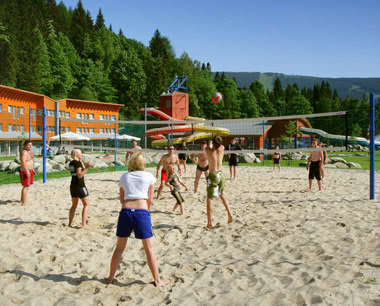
215, 180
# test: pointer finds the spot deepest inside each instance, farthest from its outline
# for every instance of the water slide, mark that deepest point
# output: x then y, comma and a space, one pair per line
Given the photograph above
201, 130
339, 138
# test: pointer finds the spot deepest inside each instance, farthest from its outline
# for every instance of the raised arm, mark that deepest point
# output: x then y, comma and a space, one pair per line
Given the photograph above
81, 173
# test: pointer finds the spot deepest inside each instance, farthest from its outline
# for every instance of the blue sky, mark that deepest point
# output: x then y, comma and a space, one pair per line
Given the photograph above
335, 38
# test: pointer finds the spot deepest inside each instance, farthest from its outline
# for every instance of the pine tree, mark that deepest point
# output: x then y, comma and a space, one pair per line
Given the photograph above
62, 79
99, 24
266, 107
79, 29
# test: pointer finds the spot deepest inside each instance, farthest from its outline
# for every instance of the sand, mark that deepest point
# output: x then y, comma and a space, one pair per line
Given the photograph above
285, 246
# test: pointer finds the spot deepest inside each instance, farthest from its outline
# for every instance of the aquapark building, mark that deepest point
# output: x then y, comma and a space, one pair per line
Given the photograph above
254, 135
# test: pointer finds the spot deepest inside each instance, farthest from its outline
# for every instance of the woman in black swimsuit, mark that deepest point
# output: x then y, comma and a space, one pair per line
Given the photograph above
78, 189
276, 158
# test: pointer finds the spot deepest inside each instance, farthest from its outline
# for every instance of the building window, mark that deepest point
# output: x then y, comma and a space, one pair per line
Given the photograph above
67, 115
1, 127
113, 131
79, 115
10, 109
101, 117
92, 130
91, 116
83, 130
21, 128
14, 112
114, 117
1, 108
83, 116
21, 110
9, 127
78, 130
101, 131
67, 129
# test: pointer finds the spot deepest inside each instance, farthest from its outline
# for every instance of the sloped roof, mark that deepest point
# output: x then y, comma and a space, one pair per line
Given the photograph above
19, 135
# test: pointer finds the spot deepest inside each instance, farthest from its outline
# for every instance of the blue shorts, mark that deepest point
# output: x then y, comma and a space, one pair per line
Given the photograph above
137, 220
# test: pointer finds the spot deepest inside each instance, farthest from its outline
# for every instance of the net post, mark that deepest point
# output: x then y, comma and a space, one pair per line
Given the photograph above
171, 134
56, 128
263, 146
372, 146
44, 144
145, 119
30, 123
115, 143
346, 119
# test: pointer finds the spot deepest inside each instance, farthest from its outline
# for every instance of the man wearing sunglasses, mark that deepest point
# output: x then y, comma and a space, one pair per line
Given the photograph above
167, 160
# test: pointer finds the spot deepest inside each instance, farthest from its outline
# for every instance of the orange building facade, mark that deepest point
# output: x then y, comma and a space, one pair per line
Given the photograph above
16, 105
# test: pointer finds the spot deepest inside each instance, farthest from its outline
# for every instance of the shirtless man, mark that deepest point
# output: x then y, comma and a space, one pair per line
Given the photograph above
129, 153
26, 170
315, 160
202, 165
170, 159
215, 178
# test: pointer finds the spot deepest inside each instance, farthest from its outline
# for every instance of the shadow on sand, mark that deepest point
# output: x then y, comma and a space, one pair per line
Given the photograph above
19, 222
75, 281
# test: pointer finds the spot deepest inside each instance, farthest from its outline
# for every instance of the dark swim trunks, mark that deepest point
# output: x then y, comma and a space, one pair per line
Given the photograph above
78, 192
276, 161
315, 170
136, 220
234, 160
182, 156
203, 169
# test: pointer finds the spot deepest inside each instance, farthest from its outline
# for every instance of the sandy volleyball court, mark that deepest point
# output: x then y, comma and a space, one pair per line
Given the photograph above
285, 246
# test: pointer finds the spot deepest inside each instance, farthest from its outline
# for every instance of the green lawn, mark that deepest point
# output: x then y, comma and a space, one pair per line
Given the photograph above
8, 178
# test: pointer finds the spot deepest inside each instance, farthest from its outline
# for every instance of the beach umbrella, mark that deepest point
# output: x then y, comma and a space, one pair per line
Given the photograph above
69, 136
127, 137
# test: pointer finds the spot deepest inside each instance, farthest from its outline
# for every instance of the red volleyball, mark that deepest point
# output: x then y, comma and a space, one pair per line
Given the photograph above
216, 97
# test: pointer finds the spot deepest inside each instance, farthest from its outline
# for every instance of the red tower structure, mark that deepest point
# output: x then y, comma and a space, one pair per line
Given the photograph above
174, 102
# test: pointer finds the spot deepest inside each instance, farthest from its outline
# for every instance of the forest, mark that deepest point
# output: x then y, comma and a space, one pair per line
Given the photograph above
61, 52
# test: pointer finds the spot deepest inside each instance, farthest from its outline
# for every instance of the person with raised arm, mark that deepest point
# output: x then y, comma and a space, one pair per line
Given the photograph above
78, 189
216, 180
202, 165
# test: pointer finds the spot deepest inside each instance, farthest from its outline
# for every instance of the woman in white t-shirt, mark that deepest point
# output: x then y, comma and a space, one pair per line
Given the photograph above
136, 195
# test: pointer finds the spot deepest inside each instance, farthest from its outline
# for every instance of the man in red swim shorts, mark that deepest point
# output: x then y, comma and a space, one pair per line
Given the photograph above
167, 160
26, 170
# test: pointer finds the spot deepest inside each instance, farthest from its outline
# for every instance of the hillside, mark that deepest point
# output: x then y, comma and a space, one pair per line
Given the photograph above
352, 87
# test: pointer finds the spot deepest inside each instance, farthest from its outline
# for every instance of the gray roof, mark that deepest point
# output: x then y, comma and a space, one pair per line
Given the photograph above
21, 135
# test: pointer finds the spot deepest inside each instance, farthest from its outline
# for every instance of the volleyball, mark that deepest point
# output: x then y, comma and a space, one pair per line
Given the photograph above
216, 97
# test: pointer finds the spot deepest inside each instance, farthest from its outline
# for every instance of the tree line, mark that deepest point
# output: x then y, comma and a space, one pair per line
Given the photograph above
62, 52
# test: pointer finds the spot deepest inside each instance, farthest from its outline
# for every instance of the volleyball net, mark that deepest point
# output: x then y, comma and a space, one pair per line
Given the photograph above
262, 136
